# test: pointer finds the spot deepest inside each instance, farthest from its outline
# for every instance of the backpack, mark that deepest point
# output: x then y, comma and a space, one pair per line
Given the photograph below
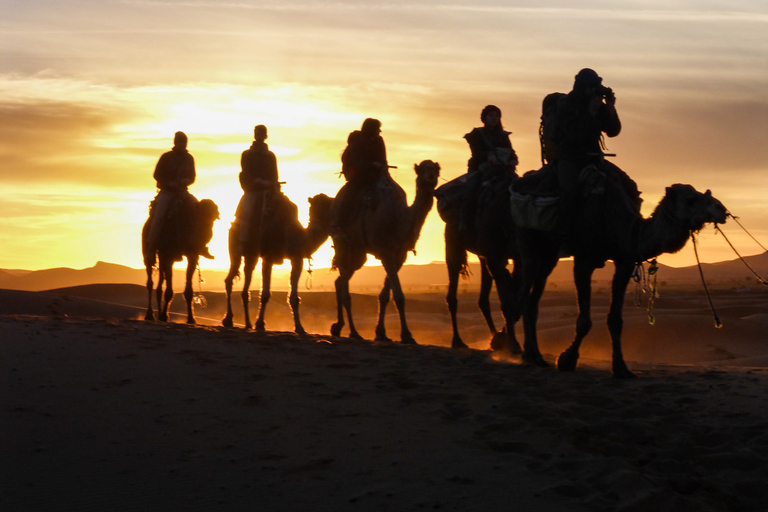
548, 126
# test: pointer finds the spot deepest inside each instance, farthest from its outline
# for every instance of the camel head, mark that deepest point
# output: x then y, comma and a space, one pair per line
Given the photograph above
320, 209
691, 208
427, 173
208, 211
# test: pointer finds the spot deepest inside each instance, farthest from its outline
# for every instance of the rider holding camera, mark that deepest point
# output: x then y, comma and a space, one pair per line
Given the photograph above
583, 115
587, 112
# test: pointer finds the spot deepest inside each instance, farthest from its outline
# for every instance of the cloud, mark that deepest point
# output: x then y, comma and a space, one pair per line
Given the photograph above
58, 142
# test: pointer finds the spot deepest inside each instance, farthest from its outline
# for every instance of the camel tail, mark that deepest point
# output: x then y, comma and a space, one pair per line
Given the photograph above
464, 272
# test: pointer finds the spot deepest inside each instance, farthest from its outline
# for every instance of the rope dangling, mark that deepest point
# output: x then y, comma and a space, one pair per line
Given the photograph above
308, 282
653, 270
718, 323
638, 276
200, 299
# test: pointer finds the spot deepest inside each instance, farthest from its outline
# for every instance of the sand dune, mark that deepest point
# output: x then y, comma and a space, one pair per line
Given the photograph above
101, 411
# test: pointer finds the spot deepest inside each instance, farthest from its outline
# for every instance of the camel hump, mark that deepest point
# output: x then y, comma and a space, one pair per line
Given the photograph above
449, 196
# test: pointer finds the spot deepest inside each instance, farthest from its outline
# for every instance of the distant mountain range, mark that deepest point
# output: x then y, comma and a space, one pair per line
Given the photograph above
430, 277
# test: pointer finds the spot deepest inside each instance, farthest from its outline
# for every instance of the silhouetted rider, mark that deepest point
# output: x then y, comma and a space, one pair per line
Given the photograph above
260, 183
583, 115
364, 162
492, 157
174, 173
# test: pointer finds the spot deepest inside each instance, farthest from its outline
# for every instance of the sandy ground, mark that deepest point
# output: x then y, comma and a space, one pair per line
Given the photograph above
103, 411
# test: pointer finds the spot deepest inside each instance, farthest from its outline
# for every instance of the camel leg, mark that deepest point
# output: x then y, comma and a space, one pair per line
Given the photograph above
344, 302
336, 328
483, 301
166, 274
506, 289
381, 330
399, 299
189, 290
531, 352
621, 279
297, 265
505, 338
149, 315
582, 276
454, 259
248, 268
266, 294
234, 271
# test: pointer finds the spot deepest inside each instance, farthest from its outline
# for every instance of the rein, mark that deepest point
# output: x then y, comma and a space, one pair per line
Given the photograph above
717, 229
718, 323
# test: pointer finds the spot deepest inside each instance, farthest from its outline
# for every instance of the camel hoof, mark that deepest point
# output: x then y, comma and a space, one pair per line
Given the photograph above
336, 329
228, 321
499, 341
356, 336
535, 360
191, 321
458, 343
260, 327
149, 317
567, 361
408, 341
300, 331
381, 335
622, 372
162, 317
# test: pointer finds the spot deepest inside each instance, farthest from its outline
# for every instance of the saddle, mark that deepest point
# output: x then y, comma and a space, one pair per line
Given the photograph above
177, 225
534, 198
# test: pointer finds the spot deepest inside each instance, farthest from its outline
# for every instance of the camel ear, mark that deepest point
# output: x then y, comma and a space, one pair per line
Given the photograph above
708, 193
309, 200
416, 168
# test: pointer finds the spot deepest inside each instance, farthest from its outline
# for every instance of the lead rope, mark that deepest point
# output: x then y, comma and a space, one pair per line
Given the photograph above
736, 220
718, 323
718, 230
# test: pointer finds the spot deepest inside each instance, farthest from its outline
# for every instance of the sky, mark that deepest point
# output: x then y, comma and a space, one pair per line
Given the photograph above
92, 91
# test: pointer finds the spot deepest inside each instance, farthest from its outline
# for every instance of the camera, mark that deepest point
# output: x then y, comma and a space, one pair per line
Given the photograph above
603, 91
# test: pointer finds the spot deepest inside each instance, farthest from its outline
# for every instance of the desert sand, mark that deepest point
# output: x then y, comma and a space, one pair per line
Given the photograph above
101, 410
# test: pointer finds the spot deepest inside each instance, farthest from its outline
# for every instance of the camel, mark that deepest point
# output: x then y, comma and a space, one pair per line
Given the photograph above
286, 238
491, 225
387, 228
607, 227
174, 247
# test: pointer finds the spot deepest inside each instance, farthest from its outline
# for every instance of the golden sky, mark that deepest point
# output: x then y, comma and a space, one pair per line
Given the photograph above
91, 92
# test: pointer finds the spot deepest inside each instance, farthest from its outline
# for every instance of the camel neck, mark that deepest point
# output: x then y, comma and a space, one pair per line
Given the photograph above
418, 211
660, 234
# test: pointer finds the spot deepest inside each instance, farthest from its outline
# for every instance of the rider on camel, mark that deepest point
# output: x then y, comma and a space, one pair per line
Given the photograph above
364, 162
492, 157
174, 173
259, 181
